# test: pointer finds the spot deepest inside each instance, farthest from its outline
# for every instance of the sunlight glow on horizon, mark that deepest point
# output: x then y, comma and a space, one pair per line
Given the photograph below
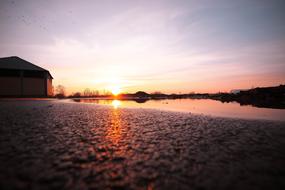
116, 90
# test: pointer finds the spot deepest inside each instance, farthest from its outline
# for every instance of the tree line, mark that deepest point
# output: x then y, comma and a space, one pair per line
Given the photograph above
60, 92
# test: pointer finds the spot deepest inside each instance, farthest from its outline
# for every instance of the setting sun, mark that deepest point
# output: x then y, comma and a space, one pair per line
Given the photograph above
116, 90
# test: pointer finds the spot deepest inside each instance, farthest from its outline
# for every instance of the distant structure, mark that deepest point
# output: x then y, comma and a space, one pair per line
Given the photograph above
20, 78
236, 91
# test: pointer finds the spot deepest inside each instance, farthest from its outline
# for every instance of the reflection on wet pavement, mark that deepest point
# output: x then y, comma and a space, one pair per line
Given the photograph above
116, 103
198, 106
115, 129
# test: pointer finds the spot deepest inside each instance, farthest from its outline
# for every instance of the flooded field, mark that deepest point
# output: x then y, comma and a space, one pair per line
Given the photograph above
198, 106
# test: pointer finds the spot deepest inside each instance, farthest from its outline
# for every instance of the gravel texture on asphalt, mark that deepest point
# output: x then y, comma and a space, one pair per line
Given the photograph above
60, 145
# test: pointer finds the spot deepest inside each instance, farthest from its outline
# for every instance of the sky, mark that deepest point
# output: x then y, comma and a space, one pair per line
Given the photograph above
171, 46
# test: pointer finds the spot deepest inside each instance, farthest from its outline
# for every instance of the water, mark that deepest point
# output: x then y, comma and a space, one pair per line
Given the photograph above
198, 106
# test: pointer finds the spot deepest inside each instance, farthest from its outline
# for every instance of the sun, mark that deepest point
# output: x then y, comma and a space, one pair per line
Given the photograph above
116, 90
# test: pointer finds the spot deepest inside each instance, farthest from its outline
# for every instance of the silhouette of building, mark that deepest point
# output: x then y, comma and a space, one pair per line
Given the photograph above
20, 78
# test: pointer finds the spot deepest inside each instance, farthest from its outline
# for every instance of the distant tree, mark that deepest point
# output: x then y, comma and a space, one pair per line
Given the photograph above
95, 93
156, 92
77, 94
141, 94
60, 91
107, 92
87, 92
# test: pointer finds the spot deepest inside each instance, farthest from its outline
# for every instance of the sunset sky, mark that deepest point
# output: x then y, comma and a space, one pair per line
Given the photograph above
151, 45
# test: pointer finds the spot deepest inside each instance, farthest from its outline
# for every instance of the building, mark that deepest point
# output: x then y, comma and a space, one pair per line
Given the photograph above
237, 91
20, 78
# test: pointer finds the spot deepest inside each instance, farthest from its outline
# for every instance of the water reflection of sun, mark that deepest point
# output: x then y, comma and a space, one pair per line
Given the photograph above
116, 103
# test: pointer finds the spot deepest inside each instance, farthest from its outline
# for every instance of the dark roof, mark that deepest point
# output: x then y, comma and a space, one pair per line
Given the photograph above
16, 63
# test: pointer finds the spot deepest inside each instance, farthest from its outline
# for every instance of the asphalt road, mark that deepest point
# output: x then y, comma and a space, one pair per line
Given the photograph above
60, 145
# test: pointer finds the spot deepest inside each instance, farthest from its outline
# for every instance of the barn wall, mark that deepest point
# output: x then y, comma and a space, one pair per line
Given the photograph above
34, 86
49, 87
10, 86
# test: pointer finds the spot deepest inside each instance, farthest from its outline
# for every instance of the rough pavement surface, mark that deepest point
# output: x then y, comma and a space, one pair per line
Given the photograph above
59, 145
